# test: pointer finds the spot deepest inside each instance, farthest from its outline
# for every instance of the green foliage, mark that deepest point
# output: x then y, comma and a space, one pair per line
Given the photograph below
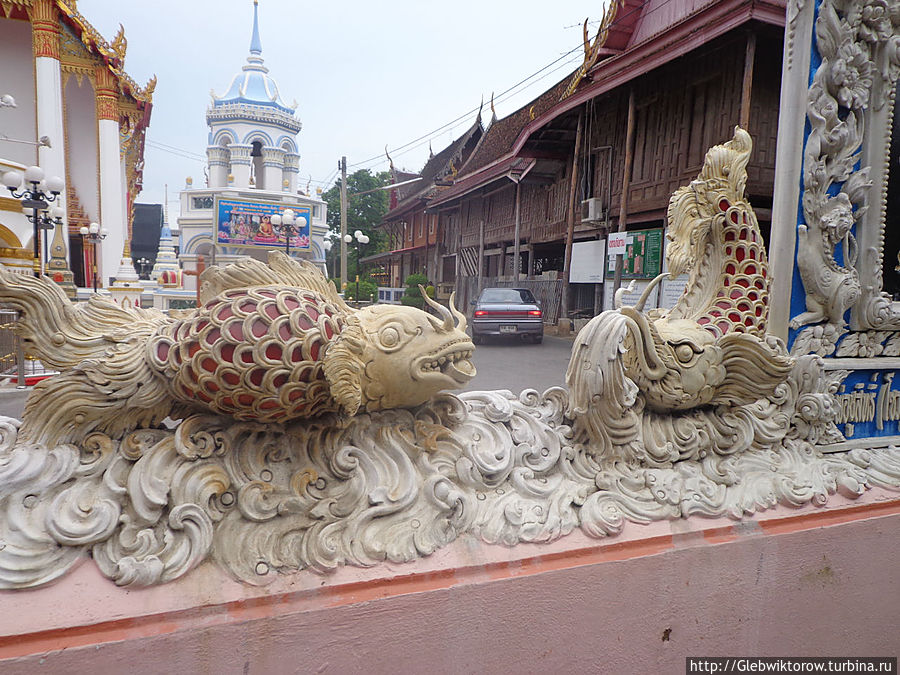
410, 301
364, 213
367, 290
413, 296
429, 291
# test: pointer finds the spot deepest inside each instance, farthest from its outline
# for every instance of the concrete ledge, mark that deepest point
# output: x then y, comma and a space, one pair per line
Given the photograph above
791, 582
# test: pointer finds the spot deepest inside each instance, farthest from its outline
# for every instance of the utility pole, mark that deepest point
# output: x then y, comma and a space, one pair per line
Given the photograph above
343, 166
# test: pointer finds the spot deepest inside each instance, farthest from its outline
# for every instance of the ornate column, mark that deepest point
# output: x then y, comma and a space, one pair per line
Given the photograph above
291, 169
48, 80
273, 163
218, 160
240, 165
112, 192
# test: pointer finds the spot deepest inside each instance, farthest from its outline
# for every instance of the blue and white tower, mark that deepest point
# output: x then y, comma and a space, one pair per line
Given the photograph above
252, 132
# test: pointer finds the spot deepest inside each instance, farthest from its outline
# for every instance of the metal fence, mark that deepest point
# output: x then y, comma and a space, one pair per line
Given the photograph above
12, 357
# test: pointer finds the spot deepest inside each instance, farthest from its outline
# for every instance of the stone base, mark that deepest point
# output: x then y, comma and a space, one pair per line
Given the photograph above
789, 582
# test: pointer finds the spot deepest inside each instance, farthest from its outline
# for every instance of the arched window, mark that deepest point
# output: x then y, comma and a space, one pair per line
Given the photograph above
258, 174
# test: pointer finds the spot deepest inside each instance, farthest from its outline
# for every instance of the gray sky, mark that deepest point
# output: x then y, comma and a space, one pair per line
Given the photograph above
364, 73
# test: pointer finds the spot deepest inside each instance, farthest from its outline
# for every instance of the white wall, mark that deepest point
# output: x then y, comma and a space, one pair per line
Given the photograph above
17, 78
81, 134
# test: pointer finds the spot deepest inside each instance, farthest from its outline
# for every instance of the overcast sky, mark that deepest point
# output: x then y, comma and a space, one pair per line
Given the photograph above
365, 74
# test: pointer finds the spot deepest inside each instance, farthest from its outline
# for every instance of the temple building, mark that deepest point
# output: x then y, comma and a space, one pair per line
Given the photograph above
70, 108
253, 162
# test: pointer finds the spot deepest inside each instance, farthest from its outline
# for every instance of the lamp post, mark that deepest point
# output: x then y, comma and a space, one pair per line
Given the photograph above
35, 200
360, 239
327, 245
285, 220
94, 234
143, 265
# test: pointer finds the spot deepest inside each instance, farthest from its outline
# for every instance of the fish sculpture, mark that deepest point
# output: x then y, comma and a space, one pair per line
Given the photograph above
268, 343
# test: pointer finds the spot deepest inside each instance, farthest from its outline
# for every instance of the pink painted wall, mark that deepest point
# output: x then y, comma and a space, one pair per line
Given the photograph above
789, 583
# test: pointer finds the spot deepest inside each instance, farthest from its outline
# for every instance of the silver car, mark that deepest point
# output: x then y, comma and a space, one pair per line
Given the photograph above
507, 311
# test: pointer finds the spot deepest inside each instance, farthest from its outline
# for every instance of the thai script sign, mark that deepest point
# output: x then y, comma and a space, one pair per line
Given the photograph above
867, 404
642, 255
248, 222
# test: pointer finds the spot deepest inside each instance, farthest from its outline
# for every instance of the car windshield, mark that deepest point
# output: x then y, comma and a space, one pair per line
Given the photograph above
507, 295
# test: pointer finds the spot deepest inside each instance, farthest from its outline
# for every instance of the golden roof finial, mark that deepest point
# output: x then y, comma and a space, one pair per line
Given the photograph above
119, 44
493, 112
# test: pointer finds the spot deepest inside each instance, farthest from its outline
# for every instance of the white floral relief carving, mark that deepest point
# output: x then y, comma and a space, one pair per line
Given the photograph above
858, 44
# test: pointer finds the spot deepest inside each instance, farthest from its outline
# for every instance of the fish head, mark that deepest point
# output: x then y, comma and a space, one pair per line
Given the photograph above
394, 356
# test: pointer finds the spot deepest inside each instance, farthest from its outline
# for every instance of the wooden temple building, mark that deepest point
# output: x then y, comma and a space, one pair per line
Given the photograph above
678, 75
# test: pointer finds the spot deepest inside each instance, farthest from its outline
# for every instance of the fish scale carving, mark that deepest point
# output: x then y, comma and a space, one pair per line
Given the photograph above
254, 353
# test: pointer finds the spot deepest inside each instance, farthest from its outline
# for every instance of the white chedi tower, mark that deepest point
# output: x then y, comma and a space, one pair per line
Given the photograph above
252, 131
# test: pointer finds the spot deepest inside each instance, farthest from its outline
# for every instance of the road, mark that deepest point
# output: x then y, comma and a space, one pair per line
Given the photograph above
501, 364
506, 363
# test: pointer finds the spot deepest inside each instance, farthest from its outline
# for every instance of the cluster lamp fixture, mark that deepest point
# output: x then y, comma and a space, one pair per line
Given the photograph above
36, 202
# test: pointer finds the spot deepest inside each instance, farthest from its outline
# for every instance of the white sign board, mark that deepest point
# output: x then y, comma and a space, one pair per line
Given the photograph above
587, 262
618, 243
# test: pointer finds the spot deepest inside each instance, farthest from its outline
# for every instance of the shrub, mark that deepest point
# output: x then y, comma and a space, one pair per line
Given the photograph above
367, 290
413, 296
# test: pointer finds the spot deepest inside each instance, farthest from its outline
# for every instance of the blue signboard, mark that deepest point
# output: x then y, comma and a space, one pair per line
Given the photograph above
868, 404
248, 222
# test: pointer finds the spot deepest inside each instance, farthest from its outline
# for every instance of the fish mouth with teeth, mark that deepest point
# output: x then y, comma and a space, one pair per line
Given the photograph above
452, 363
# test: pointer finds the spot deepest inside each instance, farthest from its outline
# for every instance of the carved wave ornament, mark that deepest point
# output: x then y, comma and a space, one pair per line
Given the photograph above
850, 105
311, 435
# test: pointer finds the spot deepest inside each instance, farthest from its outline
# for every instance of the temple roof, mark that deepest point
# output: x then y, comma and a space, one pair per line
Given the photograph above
253, 84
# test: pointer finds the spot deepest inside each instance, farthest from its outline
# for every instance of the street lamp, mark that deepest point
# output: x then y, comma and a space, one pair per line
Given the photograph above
36, 200
360, 239
143, 265
286, 221
94, 234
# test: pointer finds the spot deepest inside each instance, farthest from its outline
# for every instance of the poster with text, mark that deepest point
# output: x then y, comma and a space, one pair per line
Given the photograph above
248, 222
643, 255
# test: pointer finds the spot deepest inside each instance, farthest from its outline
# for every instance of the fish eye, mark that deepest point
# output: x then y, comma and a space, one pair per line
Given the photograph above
389, 336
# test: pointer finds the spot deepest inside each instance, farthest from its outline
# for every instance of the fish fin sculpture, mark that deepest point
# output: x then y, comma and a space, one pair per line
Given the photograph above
98, 347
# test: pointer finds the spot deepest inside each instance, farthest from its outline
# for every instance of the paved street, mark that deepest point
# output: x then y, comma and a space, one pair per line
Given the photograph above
506, 363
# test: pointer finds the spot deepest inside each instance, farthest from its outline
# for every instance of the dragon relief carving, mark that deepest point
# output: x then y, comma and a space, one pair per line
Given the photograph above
859, 47
308, 435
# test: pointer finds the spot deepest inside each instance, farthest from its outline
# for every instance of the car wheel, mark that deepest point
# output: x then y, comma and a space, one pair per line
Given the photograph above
537, 339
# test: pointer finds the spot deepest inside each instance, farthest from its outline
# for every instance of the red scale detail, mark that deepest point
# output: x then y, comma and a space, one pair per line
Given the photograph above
188, 392
297, 393
208, 365
753, 295
291, 303
227, 353
258, 328
256, 377
212, 336
765, 299
763, 272
743, 306
248, 306
304, 375
716, 313
739, 254
314, 350
228, 402
736, 293
749, 321
212, 386
284, 331
245, 399
271, 310
734, 217
724, 205
729, 250
750, 269
329, 331
304, 322
723, 327
273, 352
192, 374
724, 305
247, 356
201, 325
162, 351
193, 348
726, 282
232, 379
236, 331
267, 294
279, 381
751, 253
177, 356
297, 355
744, 234
743, 282
203, 397
734, 317
268, 405
730, 268
313, 312
759, 311
729, 236
225, 313
760, 284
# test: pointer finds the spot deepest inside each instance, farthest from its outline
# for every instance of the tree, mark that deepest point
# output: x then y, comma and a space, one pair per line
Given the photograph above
364, 213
